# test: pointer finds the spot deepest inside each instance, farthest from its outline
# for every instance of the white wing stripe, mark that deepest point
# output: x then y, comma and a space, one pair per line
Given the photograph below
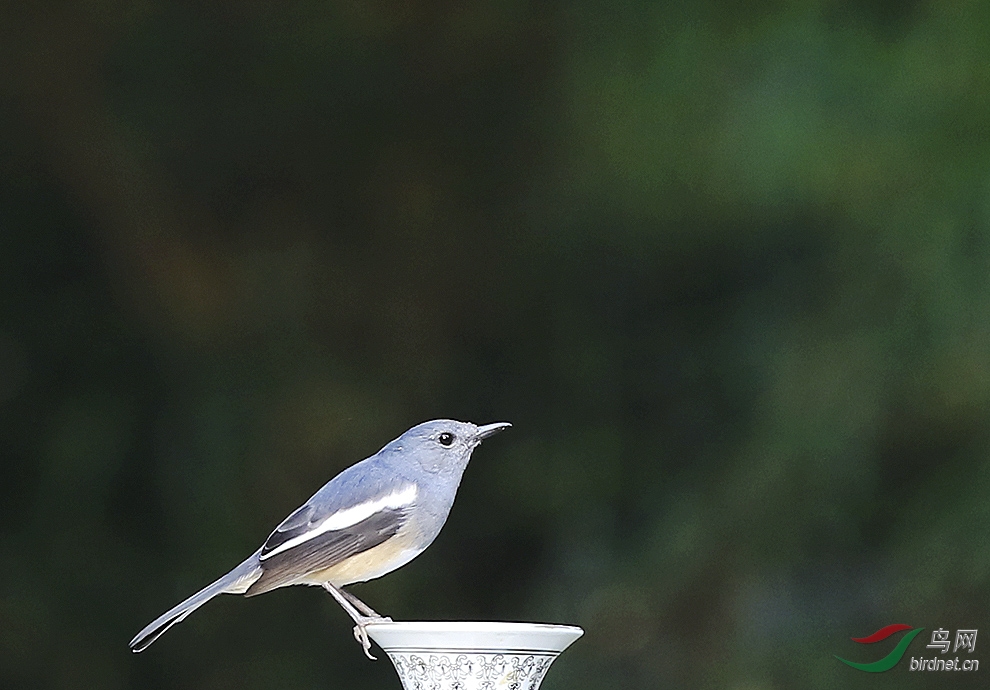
349, 517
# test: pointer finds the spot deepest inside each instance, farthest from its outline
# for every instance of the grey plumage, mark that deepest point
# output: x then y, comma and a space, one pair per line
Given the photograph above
370, 519
228, 584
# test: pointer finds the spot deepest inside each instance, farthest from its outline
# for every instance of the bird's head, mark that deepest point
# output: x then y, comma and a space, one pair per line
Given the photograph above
442, 445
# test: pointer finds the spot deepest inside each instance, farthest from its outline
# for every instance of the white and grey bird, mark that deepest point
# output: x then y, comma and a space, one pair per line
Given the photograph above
367, 521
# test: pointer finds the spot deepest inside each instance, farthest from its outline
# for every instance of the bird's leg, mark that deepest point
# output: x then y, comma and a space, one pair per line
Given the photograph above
360, 634
363, 607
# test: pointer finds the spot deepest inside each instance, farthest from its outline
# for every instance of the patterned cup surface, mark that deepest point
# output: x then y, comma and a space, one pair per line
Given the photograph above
472, 656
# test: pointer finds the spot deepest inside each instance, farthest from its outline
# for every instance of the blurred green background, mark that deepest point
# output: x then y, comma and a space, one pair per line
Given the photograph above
724, 265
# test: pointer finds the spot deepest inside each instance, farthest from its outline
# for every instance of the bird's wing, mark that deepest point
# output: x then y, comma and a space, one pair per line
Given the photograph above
355, 512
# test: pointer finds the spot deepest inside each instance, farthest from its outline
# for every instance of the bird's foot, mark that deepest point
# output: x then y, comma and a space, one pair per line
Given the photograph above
361, 635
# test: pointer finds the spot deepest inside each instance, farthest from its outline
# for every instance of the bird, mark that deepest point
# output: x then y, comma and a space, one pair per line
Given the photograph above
373, 517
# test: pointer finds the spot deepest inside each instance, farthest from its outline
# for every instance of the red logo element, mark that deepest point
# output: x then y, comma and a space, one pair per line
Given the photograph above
881, 634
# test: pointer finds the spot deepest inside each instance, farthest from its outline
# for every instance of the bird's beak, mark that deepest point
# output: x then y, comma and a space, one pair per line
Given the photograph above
489, 429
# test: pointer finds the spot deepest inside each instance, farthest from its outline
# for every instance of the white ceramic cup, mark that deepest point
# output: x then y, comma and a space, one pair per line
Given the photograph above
456, 655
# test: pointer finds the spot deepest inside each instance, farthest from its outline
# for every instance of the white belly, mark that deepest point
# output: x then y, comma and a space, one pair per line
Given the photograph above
375, 562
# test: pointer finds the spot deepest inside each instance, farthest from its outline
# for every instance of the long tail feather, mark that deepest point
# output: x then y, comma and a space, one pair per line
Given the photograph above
234, 582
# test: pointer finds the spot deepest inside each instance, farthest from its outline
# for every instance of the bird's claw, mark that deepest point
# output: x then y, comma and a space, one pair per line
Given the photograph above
361, 634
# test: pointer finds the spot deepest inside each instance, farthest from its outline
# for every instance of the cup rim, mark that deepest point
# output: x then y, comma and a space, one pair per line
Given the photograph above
474, 626
475, 636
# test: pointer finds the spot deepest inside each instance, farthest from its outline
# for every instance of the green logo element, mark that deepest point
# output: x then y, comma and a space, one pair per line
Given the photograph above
889, 661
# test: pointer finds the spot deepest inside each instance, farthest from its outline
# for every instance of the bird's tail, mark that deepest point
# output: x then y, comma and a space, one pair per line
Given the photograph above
234, 582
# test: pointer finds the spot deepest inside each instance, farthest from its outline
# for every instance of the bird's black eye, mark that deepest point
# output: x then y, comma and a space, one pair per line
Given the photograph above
446, 438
